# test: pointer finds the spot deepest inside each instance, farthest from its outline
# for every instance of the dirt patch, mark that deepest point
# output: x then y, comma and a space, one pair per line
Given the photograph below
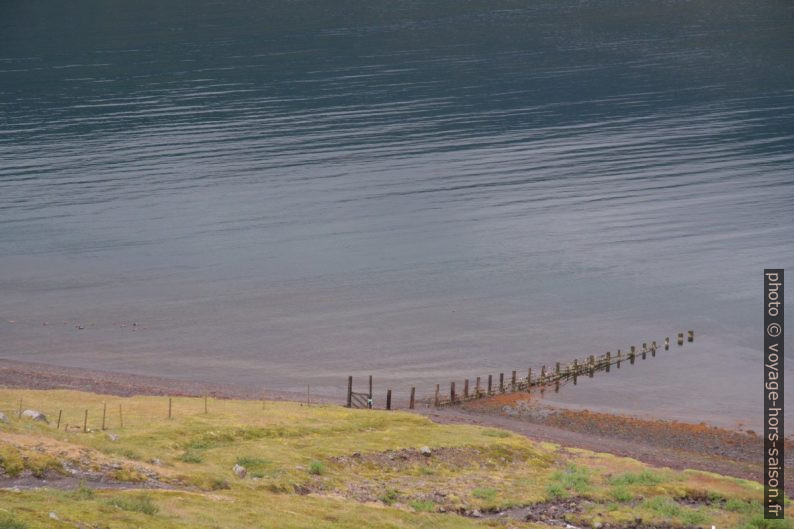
398, 460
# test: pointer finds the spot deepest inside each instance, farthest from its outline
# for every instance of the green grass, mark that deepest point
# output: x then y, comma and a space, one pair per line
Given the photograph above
308, 475
140, 503
646, 477
572, 481
484, 493
9, 522
422, 505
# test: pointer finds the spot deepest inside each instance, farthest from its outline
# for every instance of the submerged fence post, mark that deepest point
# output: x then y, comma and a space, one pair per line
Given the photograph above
620, 355
667, 343
644, 349
413, 397
691, 336
680, 338
632, 354
609, 361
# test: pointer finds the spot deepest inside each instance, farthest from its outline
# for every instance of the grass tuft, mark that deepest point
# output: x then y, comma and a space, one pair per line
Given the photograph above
140, 503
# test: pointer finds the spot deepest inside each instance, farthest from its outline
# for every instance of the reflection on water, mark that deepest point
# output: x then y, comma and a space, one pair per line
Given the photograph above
283, 193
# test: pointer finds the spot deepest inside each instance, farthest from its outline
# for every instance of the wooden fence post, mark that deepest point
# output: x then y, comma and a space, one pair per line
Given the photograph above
543, 376
104, 412
644, 349
501, 382
667, 343
477, 388
58, 426
466, 389
452, 392
691, 336
632, 354
609, 361
529, 379
490, 384
169, 407
349, 391
513, 381
85, 422
388, 399
575, 370
413, 396
121, 419
369, 398
438, 388
680, 338
620, 355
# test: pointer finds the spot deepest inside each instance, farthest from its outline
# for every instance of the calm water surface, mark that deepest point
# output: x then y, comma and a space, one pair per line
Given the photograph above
283, 193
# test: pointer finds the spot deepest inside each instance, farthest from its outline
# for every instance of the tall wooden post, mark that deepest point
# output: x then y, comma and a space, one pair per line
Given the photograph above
501, 382
169, 407
437, 399
388, 399
349, 391
104, 413
667, 343
85, 422
466, 389
609, 361
529, 379
513, 381
632, 354
477, 388
575, 370
369, 397
620, 356
490, 384
58, 426
452, 392
691, 336
413, 397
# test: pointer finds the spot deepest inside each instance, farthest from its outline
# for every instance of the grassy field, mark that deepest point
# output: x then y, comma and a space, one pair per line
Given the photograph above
323, 467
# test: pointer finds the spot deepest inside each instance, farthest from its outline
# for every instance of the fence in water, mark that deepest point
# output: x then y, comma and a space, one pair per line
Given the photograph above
553, 377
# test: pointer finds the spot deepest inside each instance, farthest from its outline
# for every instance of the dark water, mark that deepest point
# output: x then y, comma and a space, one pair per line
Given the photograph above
287, 192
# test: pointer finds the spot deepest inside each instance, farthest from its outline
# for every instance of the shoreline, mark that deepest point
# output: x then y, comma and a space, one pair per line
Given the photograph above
653, 441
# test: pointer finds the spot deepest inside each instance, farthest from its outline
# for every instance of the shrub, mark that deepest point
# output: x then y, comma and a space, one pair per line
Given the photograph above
316, 468
82, 492
389, 496
141, 503
572, 479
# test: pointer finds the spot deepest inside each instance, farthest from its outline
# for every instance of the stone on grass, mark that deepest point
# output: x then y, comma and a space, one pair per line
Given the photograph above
3, 417
239, 471
425, 451
34, 416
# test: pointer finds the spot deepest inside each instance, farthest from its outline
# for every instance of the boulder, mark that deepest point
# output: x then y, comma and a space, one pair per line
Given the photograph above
239, 471
34, 415
425, 451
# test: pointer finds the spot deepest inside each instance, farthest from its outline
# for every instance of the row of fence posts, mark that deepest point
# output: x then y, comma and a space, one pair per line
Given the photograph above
561, 373
104, 427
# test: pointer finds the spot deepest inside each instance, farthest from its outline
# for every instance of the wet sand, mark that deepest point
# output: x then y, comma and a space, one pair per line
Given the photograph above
661, 443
